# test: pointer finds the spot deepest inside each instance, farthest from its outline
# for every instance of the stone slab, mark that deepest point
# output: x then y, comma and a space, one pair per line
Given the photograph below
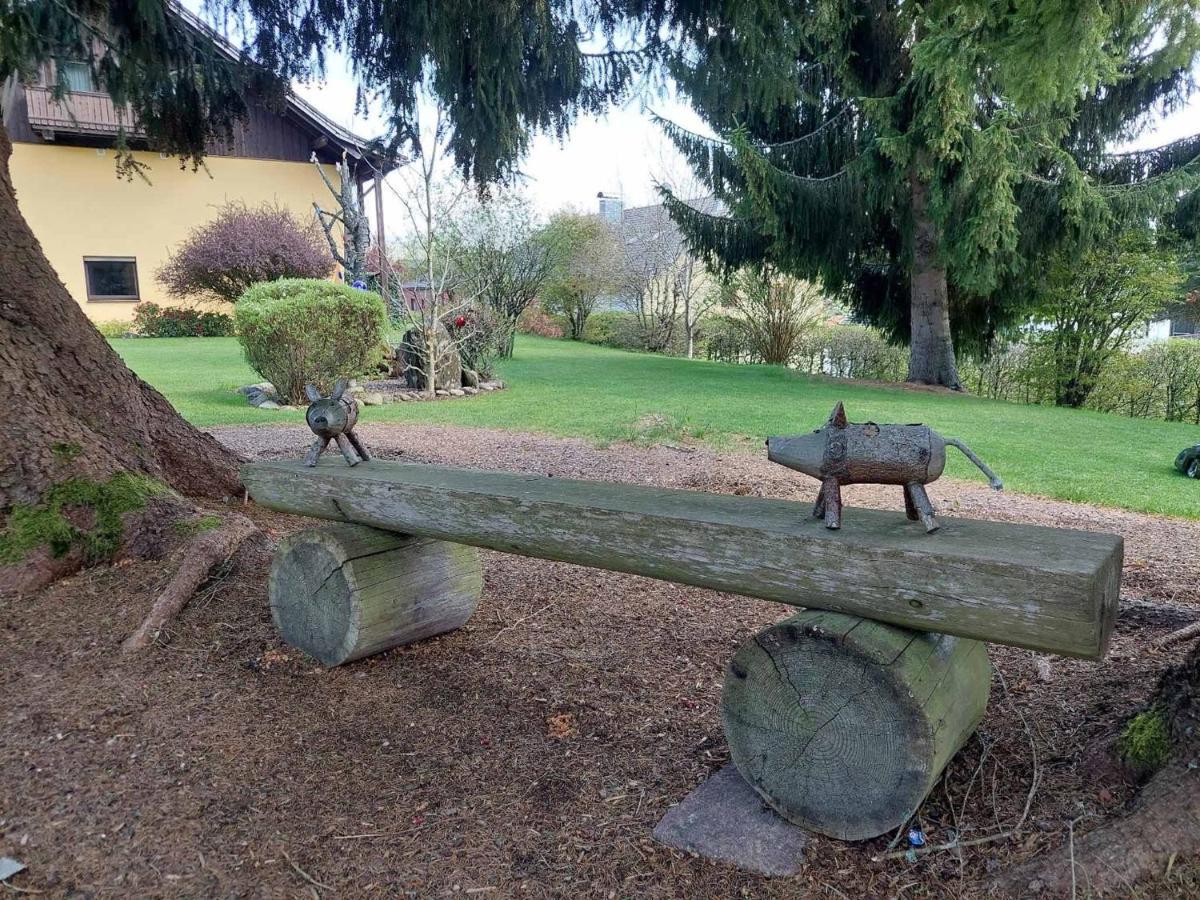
724, 820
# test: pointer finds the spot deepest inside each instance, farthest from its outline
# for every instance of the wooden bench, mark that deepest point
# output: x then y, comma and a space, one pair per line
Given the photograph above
842, 717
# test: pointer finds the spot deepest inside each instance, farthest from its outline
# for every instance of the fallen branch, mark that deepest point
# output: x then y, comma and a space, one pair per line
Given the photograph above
199, 556
1176, 637
299, 871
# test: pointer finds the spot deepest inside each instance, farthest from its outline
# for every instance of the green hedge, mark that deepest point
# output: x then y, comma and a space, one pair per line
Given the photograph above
299, 331
152, 320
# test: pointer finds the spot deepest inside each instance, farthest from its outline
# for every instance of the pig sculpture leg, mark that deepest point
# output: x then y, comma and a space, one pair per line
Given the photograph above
916, 498
358, 445
317, 448
348, 450
829, 503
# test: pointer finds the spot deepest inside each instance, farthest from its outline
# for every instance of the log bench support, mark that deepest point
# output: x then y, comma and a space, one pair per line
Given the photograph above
348, 591
843, 725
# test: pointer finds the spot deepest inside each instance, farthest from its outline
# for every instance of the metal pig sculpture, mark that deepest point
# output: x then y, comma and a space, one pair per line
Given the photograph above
843, 452
332, 419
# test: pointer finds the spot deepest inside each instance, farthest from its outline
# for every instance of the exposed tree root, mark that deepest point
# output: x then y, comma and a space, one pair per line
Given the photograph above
199, 555
1163, 823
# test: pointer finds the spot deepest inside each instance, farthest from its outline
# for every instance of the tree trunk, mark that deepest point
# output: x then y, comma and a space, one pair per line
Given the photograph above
80, 413
931, 354
1163, 823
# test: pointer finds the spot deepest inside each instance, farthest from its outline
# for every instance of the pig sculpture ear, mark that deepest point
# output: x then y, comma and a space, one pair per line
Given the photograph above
311, 392
339, 388
837, 418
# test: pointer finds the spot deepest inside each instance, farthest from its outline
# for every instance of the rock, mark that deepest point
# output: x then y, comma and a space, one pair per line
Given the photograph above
410, 357
373, 398
499, 384
470, 391
457, 392
439, 392
725, 820
470, 378
486, 386
268, 404
263, 387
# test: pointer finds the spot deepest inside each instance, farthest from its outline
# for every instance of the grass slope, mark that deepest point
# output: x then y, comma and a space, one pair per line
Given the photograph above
607, 395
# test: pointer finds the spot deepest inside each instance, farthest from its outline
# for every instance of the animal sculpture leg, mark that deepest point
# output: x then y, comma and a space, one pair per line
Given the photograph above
833, 504
317, 448
819, 506
910, 508
348, 450
358, 445
920, 500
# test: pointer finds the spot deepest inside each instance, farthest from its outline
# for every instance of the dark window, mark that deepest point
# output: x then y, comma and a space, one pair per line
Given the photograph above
111, 279
77, 76
1181, 326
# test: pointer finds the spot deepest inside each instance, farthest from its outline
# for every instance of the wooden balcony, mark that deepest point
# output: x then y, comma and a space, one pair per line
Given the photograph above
80, 112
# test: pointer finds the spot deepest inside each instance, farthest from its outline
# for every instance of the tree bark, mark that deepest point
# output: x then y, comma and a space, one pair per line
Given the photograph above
82, 413
931, 352
1162, 824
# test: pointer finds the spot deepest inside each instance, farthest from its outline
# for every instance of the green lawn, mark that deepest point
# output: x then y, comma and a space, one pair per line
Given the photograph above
607, 395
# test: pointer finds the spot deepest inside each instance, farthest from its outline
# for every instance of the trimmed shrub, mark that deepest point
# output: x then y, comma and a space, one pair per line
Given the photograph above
613, 328
725, 340
241, 247
298, 331
114, 328
851, 351
152, 320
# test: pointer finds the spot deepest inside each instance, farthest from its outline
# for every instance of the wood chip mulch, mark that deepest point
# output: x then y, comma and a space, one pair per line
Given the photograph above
531, 752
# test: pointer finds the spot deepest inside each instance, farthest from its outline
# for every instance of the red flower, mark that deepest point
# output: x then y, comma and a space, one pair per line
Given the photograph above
460, 321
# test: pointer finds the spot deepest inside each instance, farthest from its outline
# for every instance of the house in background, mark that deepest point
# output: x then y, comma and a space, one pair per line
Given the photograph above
655, 259
1180, 322
107, 236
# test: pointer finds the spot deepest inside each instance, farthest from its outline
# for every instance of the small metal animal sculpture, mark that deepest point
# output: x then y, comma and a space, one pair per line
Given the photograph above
332, 419
842, 452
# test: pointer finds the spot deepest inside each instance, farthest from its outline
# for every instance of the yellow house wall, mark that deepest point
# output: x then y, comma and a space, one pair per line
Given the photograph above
77, 206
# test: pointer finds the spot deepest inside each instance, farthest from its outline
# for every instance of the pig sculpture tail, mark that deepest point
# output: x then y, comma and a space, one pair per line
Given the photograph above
997, 484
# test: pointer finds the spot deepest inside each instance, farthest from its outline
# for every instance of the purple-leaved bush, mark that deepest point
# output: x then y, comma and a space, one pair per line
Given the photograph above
243, 246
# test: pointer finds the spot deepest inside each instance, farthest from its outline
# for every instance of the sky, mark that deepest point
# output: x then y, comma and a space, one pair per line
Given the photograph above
622, 153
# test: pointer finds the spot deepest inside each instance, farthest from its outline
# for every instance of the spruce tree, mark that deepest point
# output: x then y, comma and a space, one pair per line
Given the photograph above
927, 158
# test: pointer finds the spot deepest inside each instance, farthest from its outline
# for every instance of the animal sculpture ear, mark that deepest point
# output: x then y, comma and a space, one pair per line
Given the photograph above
837, 418
311, 392
339, 388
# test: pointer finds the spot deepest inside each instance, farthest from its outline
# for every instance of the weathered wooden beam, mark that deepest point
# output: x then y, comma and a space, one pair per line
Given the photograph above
1047, 589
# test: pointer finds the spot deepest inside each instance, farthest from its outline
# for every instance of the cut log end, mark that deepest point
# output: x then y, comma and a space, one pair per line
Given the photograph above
843, 724
345, 592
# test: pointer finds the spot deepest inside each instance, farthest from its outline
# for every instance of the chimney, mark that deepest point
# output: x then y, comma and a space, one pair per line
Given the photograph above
611, 207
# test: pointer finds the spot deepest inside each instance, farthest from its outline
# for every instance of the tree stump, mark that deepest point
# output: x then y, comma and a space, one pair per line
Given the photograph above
843, 724
348, 591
